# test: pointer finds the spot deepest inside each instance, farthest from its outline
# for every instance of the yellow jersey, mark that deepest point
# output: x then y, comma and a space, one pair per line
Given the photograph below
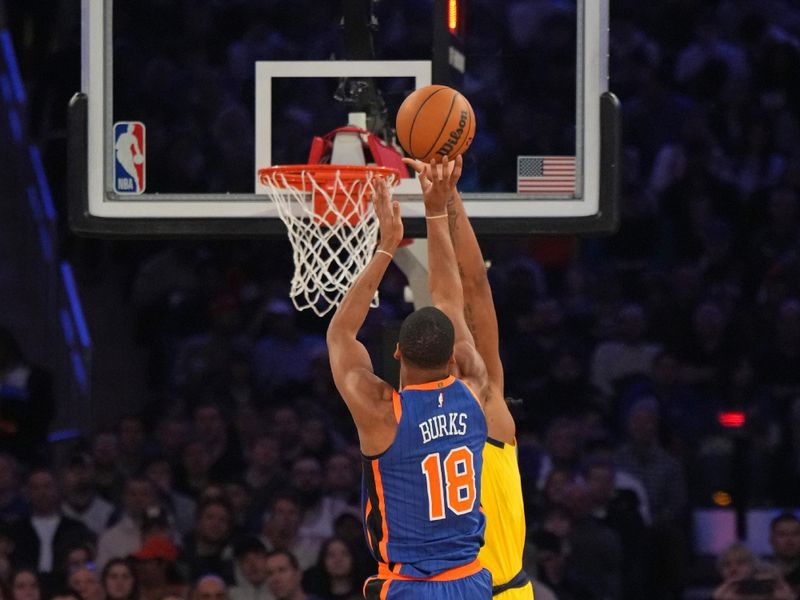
501, 499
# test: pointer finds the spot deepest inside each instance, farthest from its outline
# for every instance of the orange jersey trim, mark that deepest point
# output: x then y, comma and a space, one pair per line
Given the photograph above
397, 406
431, 385
474, 395
382, 508
451, 574
384, 587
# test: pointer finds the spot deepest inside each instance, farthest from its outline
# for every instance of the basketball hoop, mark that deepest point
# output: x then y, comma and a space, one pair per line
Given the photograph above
331, 223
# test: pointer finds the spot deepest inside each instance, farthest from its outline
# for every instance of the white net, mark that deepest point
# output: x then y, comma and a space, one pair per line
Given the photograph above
332, 227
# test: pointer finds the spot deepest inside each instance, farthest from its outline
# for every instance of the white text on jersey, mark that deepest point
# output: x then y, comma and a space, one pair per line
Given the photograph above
441, 425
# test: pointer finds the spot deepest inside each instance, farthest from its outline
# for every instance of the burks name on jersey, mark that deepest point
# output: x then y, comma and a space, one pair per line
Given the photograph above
454, 423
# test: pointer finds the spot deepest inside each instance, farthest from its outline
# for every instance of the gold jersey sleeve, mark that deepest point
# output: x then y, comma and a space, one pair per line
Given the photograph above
501, 499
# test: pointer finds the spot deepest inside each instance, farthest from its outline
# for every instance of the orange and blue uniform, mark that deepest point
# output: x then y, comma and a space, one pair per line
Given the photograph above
421, 497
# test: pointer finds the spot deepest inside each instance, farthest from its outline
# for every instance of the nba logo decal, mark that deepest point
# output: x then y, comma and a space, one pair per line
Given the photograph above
129, 153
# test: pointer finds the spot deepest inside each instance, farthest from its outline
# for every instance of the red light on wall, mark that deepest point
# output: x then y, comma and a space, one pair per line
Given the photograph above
732, 419
452, 15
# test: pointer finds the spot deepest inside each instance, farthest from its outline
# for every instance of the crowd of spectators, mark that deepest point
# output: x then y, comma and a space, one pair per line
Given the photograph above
241, 477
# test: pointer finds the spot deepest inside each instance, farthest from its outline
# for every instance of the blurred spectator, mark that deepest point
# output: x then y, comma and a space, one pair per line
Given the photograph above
202, 360
154, 562
12, 503
336, 575
687, 414
595, 556
180, 506
107, 474
784, 537
736, 563
709, 351
240, 497
283, 354
119, 580
600, 449
565, 391
316, 438
27, 404
562, 449
644, 457
348, 527
250, 571
538, 333
132, 452
552, 574
77, 557
81, 501
224, 452
618, 510
664, 479
342, 479
554, 491
763, 582
44, 538
66, 594
319, 509
172, 434
125, 537
281, 530
192, 474
24, 585
284, 577
264, 474
286, 426
6, 551
210, 587
629, 354
86, 582
156, 522
777, 364
206, 549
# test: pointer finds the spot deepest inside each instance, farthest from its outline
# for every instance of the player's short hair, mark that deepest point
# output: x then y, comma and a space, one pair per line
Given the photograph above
426, 338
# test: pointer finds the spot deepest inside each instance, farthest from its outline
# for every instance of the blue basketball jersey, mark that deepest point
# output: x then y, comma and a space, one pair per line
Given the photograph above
421, 497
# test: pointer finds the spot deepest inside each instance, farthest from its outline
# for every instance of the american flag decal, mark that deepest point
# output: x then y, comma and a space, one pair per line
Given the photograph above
546, 175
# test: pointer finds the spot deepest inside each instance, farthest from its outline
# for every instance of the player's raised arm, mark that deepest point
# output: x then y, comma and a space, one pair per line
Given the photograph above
352, 369
479, 310
443, 278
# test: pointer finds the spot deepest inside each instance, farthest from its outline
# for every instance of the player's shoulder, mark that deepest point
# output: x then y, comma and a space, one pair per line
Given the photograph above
477, 387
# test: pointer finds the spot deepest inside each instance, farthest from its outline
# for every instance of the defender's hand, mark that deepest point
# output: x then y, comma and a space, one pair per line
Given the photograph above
388, 213
438, 180
423, 169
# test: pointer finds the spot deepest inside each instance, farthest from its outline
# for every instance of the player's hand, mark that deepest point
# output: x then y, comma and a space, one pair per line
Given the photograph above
438, 180
388, 213
424, 169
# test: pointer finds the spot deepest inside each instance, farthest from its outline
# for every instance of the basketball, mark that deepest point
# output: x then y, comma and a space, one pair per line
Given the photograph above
435, 121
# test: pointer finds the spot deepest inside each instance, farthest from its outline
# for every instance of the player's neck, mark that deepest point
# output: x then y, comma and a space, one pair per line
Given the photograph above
416, 376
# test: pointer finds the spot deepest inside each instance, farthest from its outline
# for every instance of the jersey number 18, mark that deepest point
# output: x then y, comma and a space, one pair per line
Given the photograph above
458, 476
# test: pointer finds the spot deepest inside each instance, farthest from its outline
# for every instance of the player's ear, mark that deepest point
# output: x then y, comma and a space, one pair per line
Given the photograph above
397, 351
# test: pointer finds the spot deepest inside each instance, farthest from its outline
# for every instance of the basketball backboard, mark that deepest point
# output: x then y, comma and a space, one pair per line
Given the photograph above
181, 104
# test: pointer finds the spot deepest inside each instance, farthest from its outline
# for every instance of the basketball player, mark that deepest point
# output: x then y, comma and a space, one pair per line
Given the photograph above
501, 488
422, 446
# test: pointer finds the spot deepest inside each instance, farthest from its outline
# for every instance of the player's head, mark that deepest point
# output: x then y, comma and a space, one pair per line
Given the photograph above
426, 339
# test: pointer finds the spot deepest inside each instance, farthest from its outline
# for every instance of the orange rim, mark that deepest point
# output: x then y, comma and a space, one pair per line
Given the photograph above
294, 175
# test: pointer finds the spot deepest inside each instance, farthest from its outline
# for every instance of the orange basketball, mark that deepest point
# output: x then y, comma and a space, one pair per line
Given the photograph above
435, 121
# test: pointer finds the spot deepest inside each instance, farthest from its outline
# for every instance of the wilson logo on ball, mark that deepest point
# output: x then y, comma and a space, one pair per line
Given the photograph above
455, 135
